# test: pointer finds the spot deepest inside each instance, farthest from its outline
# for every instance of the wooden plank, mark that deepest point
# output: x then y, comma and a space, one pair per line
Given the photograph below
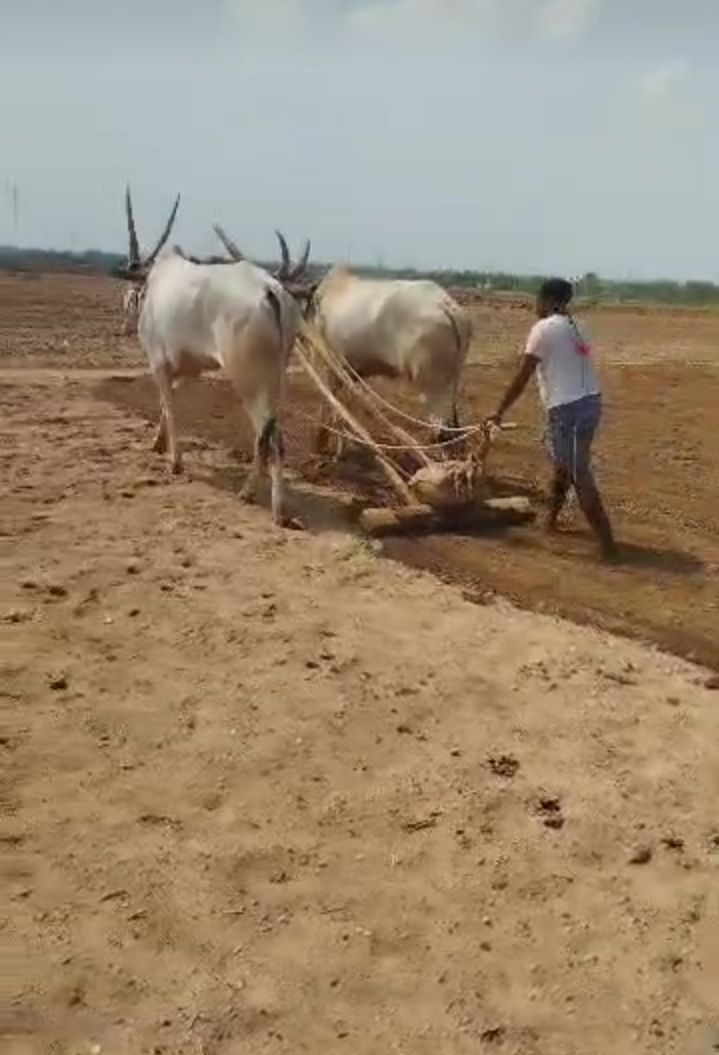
423, 519
404, 520
514, 504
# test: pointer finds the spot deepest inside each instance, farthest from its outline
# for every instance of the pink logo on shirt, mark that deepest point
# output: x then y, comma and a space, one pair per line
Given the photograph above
582, 346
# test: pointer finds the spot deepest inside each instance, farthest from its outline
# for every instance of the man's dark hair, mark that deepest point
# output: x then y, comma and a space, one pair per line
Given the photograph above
557, 291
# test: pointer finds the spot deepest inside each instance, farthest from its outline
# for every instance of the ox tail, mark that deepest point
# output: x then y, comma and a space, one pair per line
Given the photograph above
462, 330
269, 441
270, 446
276, 308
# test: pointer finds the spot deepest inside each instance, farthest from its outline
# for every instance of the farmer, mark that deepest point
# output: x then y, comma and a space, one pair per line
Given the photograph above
568, 387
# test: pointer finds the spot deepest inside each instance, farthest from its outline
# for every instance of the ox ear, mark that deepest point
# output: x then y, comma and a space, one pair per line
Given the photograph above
232, 248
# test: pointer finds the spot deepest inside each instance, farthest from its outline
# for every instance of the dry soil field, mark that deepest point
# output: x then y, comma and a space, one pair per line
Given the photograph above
266, 791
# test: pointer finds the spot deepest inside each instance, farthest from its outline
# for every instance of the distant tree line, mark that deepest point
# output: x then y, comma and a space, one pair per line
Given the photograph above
590, 286
92, 260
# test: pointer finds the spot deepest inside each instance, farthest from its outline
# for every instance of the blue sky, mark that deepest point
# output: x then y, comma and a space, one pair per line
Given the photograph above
547, 135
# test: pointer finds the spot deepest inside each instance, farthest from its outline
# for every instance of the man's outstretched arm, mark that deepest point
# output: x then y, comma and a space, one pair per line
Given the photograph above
518, 385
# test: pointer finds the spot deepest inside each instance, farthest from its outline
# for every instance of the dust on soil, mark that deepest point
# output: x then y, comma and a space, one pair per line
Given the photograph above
265, 792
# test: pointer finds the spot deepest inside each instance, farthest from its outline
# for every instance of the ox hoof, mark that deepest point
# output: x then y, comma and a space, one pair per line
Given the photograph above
176, 468
290, 523
248, 497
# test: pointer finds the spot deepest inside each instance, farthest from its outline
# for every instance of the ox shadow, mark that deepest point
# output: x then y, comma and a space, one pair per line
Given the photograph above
211, 422
318, 510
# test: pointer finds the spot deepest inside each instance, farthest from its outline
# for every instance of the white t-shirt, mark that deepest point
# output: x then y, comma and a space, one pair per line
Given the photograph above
565, 371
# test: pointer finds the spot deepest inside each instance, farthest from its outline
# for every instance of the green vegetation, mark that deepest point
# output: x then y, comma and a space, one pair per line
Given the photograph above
590, 287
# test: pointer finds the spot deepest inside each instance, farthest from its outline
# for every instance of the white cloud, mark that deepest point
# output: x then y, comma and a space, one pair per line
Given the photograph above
410, 22
405, 13
660, 84
560, 20
567, 19
397, 23
259, 14
280, 20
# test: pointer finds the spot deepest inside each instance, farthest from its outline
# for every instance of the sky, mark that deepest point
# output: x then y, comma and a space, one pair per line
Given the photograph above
556, 136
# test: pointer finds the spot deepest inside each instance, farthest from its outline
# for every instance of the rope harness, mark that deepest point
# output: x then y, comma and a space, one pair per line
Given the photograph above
312, 346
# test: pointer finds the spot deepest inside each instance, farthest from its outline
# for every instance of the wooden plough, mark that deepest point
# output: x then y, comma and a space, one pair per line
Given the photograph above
443, 492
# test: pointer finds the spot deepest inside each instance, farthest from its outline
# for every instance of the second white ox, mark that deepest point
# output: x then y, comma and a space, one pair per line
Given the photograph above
409, 329
234, 316
397, 328
131, 304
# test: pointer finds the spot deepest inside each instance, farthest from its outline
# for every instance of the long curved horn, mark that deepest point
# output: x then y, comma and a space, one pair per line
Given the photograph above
233, 249
165, 234
286, 265
301, 266
134, 254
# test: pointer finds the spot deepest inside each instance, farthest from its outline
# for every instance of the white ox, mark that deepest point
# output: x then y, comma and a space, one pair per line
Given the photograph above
395, 328
392, 328
131, 304
234, 316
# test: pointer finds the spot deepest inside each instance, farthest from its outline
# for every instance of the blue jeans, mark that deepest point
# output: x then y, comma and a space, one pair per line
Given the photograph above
570, 431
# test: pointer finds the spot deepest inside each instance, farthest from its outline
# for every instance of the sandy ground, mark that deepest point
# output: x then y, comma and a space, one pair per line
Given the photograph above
266, 791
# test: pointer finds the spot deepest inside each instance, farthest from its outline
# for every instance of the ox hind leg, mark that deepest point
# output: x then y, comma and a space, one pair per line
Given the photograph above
323, 434
269, 456
160, 444
260, 406
166, 438
272, 451
444, 420
255, 366
446, 429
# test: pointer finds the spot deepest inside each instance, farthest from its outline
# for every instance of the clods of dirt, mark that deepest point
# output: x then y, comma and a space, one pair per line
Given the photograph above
549, 809
505, 766
642, 855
